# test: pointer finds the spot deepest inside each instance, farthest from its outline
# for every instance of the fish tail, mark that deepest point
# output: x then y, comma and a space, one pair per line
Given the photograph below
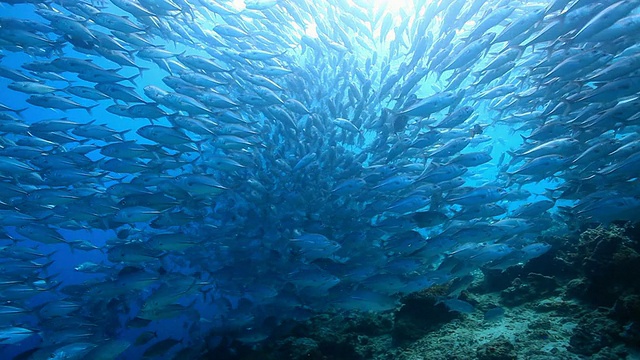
549, 193
524, 138
19, 112
509, 178
131, 79
57, 285
89, 108
121, 133
141, 69
58, 46
48, 256
566, 211
568, 109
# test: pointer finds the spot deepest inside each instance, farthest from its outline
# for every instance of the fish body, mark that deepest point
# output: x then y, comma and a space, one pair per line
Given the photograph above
57, 102
429, 105
457, 305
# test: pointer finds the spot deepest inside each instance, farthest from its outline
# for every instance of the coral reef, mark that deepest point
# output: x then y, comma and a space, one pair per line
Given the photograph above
580, 300
499, 348
420, 314
535, 286
594, 332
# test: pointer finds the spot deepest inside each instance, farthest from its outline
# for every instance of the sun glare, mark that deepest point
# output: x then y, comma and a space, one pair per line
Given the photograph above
394, 6
311, 30
238, 5
397, 8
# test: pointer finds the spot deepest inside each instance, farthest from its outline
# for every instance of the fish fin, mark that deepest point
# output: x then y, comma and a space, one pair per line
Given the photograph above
581, 83
440, 300
46, 265
568, 109
89, 108
141, 69
509, 179
19, 112
131, 79
549, 193
49, 255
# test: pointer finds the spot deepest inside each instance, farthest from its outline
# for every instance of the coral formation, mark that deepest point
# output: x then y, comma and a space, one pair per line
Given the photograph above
499, 348
579, 300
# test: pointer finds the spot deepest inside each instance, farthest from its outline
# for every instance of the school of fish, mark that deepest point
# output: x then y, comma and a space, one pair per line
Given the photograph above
286, 158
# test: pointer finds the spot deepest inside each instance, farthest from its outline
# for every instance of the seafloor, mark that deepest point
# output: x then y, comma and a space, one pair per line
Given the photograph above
581, 300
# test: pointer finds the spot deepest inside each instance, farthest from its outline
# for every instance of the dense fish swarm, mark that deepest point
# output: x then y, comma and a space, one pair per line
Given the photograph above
260, 163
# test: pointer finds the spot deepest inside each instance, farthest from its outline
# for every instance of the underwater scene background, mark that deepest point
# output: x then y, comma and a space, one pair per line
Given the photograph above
341, 179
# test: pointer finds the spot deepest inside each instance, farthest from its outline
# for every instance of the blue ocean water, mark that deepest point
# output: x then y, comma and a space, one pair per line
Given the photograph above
304, 180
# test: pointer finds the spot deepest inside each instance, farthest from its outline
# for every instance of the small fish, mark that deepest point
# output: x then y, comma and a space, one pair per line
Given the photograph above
145, 337
457, 305
426, 219
494, 314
